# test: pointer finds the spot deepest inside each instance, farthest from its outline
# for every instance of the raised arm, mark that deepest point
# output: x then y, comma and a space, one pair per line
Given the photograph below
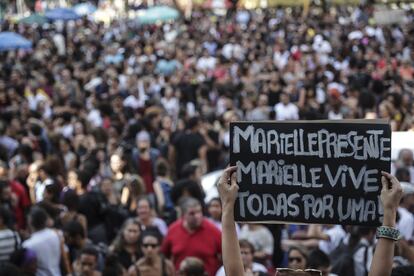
391, 194
228, 188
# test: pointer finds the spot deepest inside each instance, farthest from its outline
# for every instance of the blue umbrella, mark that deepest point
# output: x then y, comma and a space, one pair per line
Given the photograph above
84, 9
62, 14
157, 14
34, 19
12, 41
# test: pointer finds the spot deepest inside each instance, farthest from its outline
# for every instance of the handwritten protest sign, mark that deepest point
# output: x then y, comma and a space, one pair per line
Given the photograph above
310, 172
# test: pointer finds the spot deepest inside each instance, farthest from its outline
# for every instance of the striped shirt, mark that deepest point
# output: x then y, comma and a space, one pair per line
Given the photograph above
9, 242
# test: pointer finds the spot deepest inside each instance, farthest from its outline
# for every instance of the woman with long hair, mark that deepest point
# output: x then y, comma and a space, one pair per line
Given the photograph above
119, 169
132, 191
152, 263
297, 257
126, 244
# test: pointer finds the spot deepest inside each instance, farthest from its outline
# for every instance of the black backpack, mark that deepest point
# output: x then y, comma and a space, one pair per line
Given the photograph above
342, 259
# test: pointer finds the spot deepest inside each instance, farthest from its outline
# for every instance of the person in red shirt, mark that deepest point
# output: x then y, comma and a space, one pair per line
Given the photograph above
19, 196
144, 158
193, 236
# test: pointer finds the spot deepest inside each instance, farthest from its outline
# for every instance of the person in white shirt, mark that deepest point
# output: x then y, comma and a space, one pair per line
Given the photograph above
325, 237
261, 111
247, 253
285, 110
333, 234
360, 242
45, 242
405, 160
206, 62
363, 256
260, 237
146, 217
406, 219
170, 102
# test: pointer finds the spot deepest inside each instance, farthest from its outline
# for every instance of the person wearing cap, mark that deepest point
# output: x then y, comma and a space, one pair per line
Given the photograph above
144, 158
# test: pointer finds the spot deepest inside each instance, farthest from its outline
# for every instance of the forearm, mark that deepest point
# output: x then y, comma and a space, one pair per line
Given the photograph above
232, 261
384, 252
315, 232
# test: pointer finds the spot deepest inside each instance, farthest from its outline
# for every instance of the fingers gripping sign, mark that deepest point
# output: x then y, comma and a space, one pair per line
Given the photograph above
227, 186
391, 192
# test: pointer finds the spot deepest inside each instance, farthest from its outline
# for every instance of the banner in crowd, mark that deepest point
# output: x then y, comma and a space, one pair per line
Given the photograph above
310, 172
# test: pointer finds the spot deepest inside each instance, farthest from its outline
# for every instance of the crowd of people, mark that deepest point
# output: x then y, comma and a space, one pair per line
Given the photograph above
106, 131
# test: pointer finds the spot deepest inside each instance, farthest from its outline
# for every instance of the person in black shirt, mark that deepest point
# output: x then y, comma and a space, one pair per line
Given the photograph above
189, 145
126, 244
93, 205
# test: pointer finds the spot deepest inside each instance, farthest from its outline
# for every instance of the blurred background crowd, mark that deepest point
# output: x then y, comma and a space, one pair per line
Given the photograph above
107, 131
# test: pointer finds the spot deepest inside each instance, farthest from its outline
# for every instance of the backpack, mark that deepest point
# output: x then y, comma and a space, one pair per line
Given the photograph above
342, 259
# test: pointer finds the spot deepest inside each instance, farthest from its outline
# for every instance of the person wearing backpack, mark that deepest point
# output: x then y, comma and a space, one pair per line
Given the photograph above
354, 254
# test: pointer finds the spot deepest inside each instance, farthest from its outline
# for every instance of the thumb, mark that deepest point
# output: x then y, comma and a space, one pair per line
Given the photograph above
384, 182
234, 178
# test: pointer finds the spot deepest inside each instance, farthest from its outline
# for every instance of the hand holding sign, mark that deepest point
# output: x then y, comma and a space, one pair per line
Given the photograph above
391, 194
227, 187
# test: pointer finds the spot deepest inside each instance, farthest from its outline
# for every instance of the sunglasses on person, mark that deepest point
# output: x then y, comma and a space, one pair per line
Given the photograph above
297, 259
298, 272
152, 245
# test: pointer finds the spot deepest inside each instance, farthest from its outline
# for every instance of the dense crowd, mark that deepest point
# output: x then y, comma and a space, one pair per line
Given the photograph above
106, 131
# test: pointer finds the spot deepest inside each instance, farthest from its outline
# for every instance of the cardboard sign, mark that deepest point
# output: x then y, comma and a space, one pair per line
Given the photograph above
310, 172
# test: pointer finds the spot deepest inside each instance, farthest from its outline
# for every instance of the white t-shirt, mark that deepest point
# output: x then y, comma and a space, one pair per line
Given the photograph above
336, 234
256, 267
46, 244
363, 259
206, 63
133, 102
172, 105
95, 118
335, 116
160, 224
406, 223
286, 112
261, 238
